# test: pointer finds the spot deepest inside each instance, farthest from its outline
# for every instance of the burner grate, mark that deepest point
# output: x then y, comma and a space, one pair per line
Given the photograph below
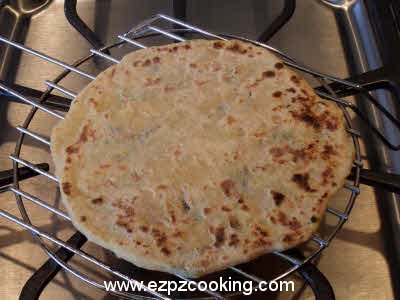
143, 30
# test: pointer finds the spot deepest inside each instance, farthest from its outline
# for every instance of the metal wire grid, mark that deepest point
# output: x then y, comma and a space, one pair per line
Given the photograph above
146, 29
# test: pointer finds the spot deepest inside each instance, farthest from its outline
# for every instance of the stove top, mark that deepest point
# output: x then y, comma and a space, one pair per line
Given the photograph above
355, 263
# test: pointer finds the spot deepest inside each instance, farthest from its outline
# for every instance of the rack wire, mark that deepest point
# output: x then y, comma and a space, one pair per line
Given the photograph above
131, 38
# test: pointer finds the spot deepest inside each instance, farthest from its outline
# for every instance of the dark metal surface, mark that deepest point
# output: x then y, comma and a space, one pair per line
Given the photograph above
371, 34
289, 7
6, 176
54, 101
385, 21
35, 285
73, 18
382, 181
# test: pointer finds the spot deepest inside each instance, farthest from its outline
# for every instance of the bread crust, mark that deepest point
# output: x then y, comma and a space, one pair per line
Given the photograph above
192, 157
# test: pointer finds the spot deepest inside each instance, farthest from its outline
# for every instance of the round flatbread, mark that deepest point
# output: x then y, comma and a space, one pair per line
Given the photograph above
195, 156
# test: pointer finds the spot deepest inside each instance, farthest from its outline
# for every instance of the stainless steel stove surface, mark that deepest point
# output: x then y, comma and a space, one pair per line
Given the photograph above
354, 263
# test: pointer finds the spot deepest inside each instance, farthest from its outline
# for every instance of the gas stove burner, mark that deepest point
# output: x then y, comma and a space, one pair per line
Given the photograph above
177, 29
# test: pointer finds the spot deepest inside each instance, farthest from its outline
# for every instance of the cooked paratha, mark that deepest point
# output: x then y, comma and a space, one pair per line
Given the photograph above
195, 156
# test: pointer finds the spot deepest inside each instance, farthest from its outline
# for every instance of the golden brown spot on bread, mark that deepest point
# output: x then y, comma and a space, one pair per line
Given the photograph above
278, 197
230, 119
97, 200
305, 154
177, 234
225, 208
327, 174
146, 63
295, 79
135, 176
73, 148
261, 243
236, 48
156, 59
162, 187
207, 210
261, 231
185, 205
260, 134
304, 92
327, 152
326, 119
93, 102
218, 45
291, 90
172, 215
219, 237
308, 117
283, 218
234, 240
277, 94
165, 251
200, 82
314, 219
192, 65
144, 228
259, 168
234, 222
294, 224
277, 152
333, 123
87, 132
160, 237
268, 74
66, 187
150, 82
245, 207
228, 187
289, 238
302, 181
169, 88
279, 65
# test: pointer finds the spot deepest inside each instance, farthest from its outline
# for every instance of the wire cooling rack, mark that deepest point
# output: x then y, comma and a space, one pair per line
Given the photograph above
158, 26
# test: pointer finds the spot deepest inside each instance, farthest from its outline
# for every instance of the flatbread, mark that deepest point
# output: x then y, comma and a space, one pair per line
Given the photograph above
195, 156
